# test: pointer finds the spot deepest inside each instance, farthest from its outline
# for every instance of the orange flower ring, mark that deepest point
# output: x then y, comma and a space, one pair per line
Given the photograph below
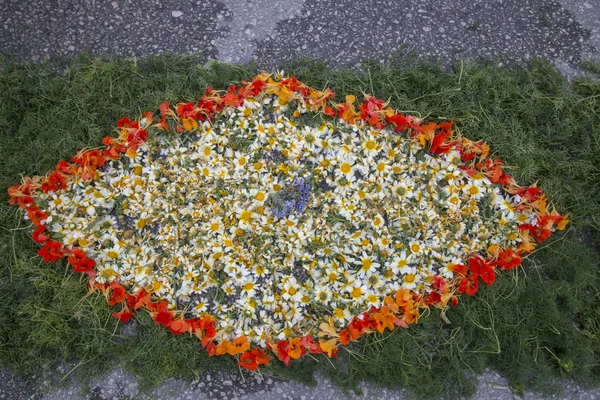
268, 220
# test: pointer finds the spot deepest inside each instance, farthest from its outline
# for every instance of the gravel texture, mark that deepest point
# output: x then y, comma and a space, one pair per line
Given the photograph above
119, 386
343, 32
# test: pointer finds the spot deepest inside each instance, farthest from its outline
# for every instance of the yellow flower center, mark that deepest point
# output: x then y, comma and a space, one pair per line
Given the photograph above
246, 216
345, 168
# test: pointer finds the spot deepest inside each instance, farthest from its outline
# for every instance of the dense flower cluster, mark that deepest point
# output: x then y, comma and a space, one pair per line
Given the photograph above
267, 216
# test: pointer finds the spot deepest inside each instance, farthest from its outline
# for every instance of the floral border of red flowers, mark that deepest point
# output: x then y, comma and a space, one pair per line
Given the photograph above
401, 310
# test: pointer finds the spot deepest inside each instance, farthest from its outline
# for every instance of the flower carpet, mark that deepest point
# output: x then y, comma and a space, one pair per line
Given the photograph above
272, 222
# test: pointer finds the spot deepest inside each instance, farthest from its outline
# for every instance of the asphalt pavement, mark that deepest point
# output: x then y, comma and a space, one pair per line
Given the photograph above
344, 32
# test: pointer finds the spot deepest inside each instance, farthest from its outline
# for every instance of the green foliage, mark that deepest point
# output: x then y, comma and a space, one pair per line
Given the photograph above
534, 324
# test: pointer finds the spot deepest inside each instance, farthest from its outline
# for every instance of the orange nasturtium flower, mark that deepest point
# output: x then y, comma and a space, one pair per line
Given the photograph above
508, 259
251, 360
296, 350
36, 216
179, 326
239, 345
469, 285
89, 161
384, 319
138, 300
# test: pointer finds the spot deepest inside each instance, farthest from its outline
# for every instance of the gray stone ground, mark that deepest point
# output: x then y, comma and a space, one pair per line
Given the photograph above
119, 386
343, 32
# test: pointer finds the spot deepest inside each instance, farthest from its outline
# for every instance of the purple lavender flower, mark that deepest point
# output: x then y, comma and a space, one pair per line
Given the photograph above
302, 190
293, 198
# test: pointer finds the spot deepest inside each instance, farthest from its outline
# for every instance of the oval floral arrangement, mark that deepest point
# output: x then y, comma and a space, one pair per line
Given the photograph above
268, 220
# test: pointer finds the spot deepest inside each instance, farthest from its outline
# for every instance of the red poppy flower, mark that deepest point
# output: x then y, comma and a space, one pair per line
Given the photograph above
64, 167
55, 181
80, 262
162, 316
138, 300
52, 251
508, 259
479, 266
39, 236
25, 201
312, 346
117, 293
283, 348
124, 315
469, 285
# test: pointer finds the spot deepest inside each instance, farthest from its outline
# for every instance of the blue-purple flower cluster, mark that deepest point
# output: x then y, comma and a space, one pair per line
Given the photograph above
293, 198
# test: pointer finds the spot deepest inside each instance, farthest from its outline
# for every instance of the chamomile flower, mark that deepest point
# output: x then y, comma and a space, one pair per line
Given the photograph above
474, 190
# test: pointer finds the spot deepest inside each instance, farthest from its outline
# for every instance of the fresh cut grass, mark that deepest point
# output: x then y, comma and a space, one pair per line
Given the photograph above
535, 324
